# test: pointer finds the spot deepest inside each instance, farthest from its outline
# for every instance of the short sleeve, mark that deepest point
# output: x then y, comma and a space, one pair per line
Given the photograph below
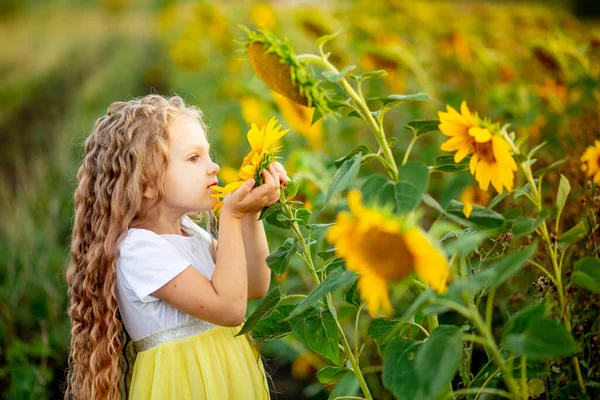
147, 262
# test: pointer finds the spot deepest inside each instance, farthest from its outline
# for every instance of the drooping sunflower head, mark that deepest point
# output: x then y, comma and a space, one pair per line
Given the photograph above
274, 61
590, 162
491, 160
382, 248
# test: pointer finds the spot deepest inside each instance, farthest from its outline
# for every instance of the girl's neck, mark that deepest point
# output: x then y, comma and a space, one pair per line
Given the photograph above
163, 224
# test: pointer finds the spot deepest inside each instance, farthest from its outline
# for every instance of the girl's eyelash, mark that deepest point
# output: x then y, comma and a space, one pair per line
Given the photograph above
193, 157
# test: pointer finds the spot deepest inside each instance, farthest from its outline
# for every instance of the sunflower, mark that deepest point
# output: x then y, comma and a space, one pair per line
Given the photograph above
491, 160
262, 142
471, 196
590, 162
381, 249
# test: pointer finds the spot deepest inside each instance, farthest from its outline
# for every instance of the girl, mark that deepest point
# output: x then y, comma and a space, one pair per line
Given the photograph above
139, 261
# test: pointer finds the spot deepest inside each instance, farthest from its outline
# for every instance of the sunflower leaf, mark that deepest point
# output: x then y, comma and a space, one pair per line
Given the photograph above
320, 42
437, 360
423, 127
334, 77
268, 305
317, 329
416, 174
378, 73
273, 327
480, 216
523, 226
360, 149
352, 296
279, 260
347, 171
291, 189
399, 372
571, 236
303, 215
586, 274
563, 193
447, 164
542, 171
337, 278
538, 337
331, 375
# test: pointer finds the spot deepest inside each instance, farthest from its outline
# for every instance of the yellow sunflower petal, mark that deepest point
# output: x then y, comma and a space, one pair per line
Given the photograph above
467, 209
473, 163
430, 263
374, 291
481, 135
483, 174
255, 137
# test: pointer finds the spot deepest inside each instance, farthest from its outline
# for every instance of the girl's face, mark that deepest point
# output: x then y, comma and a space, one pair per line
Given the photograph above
190, 171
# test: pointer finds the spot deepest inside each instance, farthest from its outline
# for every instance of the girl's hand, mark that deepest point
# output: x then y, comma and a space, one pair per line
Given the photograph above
281, 172
247, 200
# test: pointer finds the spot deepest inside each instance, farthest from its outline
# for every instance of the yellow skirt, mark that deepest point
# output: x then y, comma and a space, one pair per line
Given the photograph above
211, 365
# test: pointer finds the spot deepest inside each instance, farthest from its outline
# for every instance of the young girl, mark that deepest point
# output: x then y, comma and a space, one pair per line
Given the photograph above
139, 261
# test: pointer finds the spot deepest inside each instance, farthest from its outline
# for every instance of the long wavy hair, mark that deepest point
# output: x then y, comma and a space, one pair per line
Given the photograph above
126, 152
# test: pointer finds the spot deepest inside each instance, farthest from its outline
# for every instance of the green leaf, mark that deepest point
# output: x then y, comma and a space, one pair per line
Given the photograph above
399, 374
391, 141
371, 187
360, 149
437, 360
480, 216
571, 236
317, 329
535, 149
378, 73
532, 334
423, 127
415, 173
352, 295
291, 189
268, 305
334, 77
337, 278
525, 225
563, 193
586, 273
273, 208
502, 270
331, 375
317, 226
447, 164
542, 171
274, 327
326, 38
466, 244
407, 197
417, 305
399, 98
303, 215
348, 386
343, 176
279, 260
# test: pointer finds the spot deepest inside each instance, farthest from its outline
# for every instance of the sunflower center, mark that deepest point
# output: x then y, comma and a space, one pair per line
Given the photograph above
386, 253
598, 161
484, 150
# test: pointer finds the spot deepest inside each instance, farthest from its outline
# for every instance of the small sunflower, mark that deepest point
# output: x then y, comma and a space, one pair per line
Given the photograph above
262, 142
381, 249
471, 196
491, 160
590, 162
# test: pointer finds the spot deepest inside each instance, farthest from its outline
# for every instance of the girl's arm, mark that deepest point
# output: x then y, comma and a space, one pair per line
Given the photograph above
256, 249
224, 299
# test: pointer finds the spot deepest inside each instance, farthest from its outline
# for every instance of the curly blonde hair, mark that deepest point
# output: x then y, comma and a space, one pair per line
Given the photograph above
126, 152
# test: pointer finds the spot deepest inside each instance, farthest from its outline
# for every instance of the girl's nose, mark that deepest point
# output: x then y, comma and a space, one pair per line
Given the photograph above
215, 168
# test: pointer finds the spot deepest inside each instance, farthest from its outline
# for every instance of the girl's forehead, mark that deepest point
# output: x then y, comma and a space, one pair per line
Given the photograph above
187, 132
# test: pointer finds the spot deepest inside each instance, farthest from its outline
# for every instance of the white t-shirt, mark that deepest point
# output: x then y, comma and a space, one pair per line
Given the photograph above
148, 261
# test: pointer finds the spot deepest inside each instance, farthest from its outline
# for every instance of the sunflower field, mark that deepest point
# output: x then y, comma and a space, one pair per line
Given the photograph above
440, 237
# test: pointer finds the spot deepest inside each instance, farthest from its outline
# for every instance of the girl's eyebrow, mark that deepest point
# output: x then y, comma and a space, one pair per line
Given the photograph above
198, 147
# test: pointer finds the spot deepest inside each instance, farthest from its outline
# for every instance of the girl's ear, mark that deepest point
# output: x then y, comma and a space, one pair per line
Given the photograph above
150, 192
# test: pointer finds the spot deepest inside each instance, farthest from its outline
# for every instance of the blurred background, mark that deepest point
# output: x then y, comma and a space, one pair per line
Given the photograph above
62, 63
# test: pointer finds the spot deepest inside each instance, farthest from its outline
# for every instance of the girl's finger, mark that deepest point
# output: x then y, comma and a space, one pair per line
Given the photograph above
276, 179
268, 178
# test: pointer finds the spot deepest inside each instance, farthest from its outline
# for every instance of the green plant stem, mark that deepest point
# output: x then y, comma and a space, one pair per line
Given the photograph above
524, 377
489, 308
409, 149
551, 250
473, 315
347, 349
467, 337
356, 330
365, 112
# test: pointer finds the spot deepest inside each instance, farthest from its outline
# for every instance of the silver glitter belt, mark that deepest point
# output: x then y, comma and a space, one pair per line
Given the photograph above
176, 332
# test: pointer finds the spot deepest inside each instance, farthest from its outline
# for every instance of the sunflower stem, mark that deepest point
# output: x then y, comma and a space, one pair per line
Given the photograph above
347, 349
409, 149
366, 114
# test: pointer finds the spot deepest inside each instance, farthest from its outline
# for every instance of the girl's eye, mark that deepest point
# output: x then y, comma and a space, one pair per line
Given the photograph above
193, 159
